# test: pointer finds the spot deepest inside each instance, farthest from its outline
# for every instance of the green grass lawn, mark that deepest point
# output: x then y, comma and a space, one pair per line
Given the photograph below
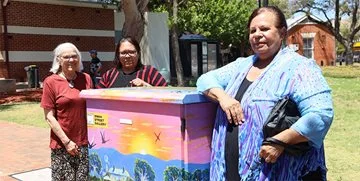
342, 143
27, 113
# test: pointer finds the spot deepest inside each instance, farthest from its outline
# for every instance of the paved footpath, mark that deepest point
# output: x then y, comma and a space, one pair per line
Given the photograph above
22, 149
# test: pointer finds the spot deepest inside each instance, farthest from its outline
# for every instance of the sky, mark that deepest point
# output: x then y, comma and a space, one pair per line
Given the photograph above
320, 15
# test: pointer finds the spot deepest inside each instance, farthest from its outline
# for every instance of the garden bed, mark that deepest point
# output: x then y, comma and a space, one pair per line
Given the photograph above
31, 95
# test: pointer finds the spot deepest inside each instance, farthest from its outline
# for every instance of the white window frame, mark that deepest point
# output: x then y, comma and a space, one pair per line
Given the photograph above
308, 36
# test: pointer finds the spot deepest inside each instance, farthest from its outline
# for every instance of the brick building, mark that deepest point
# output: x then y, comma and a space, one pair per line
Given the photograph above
312, 40
31, 29
34, 29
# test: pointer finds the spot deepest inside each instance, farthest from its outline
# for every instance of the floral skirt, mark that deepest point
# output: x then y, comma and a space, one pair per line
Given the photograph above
69, 168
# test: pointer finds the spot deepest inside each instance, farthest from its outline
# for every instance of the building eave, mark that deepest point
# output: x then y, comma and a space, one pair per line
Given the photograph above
292, 22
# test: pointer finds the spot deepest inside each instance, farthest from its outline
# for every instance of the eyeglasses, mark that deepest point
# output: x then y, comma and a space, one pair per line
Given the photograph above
68, 57
129, 53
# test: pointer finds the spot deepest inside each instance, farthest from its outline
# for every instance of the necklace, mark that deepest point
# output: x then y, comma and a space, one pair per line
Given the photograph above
70, 81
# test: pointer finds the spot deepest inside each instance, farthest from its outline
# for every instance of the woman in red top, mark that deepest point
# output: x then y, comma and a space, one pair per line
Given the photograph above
65, 112
129, 70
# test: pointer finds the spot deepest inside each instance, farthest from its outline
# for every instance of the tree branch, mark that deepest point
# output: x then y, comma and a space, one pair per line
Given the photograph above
142, 5
181, 2
354, 16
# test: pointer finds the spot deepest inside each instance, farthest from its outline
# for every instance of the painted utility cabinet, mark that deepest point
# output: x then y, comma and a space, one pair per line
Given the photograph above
149, 133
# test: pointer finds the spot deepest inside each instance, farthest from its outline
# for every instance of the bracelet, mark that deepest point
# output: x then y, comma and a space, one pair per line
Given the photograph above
67, 142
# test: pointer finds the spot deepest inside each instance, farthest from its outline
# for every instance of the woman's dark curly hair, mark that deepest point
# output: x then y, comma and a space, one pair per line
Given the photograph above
117, 52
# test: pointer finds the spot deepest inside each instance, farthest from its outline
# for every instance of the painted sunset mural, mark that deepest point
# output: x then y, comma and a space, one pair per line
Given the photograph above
124, 141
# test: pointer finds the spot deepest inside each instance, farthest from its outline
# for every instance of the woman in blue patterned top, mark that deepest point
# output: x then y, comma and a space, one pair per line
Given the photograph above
248, 88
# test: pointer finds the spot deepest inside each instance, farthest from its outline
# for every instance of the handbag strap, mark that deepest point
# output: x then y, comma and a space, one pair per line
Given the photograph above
295, 150
270, 141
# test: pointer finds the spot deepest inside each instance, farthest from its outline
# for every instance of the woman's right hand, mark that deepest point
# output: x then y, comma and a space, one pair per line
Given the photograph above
232, 108
72, 148
138, 82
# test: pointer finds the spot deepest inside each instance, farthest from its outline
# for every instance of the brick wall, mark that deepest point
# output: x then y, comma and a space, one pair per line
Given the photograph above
59, 16
23, 42
1, 16
17, 70
3, 70
28, 14
1, 33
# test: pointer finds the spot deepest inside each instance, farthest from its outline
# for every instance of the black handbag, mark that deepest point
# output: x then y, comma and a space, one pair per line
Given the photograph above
282, 116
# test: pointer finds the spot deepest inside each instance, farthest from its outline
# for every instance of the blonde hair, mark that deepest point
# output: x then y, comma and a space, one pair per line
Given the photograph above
55, 68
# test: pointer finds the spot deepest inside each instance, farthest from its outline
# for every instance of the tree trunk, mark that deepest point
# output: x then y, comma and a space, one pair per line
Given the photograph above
176, 56
347, 53
134, 21
175, 46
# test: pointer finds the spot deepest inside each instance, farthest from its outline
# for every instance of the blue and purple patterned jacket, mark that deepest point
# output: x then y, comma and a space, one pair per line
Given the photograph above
289, 74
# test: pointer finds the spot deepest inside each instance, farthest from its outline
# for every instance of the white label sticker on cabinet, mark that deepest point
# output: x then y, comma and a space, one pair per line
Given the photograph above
90, 119
125, 121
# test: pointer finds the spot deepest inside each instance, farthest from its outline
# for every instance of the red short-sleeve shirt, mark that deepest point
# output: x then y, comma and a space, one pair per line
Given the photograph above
68, 107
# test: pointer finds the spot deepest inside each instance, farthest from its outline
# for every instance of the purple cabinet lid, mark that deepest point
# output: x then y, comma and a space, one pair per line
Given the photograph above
176, 95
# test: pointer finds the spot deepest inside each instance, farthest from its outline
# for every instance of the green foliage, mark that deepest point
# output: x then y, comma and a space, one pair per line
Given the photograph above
95, 163
143, 170
185, 175
339, 48
205, 175
222, 20
196, 176
158, 6
283, 5
192, 82
172, 173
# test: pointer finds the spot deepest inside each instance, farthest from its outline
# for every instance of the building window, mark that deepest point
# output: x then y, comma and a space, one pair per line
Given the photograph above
308, 47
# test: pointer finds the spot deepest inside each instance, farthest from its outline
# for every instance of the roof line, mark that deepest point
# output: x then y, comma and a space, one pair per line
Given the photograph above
298, 20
